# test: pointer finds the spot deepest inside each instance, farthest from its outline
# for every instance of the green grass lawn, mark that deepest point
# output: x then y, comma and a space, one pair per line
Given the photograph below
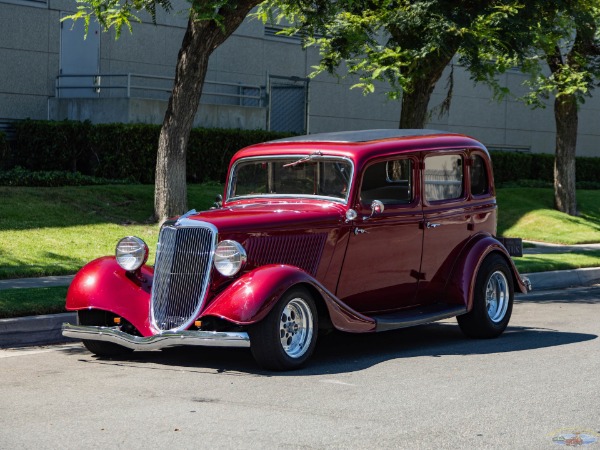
528, 213
29, 302
55, 231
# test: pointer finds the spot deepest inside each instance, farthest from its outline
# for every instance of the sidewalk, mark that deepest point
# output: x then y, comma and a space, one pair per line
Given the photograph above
40, 330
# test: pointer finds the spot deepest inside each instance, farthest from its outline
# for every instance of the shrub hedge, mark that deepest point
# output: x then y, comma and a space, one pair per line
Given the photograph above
128, 151
52, 178
4, 156
512, 166
122, 151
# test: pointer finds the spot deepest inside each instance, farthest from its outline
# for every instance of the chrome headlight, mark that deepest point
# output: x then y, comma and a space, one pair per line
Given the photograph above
131, 253
230, 257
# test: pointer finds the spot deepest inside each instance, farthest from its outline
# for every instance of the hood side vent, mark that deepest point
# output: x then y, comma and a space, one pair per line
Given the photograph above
303, 250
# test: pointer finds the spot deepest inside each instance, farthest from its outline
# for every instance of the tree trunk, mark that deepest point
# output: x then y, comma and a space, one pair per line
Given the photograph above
565, 115
201, 38
415, 102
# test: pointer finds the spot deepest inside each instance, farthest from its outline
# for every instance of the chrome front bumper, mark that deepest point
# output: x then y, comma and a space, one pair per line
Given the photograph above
162, 340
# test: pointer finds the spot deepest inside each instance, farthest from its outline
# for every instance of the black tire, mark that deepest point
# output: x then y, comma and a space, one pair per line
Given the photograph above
100, 318
293, 320
106, 349
492, 300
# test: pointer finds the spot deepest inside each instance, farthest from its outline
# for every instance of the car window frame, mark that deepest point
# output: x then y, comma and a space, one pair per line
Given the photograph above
488, 168
415, 190
464, 154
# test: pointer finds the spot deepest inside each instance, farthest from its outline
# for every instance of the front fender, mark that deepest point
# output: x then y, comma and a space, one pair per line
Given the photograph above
103, 284
462, 282
250, 298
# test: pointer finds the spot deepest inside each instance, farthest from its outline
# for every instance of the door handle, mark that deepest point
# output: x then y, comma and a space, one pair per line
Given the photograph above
359, 231
433, 225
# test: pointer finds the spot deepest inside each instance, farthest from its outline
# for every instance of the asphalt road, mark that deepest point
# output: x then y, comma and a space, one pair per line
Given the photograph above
426, 387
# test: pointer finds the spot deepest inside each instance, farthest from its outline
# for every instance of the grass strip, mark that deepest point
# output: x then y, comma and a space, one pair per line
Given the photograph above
55, 231
33, 301
529, 213
557, 261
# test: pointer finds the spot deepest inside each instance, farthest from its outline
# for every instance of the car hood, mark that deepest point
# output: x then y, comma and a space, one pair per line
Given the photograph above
280, 215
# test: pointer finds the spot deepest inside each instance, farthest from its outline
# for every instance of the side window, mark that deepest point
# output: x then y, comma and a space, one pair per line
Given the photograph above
389, 182
479, 177
443, 177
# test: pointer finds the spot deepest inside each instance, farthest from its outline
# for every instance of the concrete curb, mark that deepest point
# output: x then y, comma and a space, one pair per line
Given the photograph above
560, 279
34, 330
42, 330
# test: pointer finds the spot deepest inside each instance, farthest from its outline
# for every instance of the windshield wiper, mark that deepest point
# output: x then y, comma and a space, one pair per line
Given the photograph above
305, 159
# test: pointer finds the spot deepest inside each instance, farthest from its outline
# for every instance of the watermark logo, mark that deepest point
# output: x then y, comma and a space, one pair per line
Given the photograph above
575, 437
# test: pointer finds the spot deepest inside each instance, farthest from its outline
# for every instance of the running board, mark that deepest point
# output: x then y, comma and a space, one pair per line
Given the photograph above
417, 316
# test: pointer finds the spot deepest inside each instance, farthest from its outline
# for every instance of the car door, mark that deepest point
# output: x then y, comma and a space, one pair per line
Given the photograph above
380, 271
447, 220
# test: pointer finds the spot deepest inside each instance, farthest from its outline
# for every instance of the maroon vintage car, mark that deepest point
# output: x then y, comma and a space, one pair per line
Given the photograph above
361, 231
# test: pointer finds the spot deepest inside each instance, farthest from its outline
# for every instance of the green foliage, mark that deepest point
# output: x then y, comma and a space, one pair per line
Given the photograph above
23, 177
116, 14
4, 153
537, 169
120, 151
397, 41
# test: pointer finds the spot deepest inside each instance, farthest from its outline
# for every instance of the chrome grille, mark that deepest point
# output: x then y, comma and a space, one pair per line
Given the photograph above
181, 275
303, 250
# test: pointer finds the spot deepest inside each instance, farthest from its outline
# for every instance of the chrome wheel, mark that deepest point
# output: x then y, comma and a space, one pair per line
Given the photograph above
497, 295
285, 339
295, 327
493, 297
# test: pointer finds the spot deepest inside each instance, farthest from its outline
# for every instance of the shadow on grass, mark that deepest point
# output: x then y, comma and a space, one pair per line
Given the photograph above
343, 353
25, 208
53, 264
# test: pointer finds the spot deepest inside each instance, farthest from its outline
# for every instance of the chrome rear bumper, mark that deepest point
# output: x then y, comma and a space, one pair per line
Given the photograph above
527, 283
162, 340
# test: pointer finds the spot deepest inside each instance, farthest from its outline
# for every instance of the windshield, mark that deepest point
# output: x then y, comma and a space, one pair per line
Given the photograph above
296, 176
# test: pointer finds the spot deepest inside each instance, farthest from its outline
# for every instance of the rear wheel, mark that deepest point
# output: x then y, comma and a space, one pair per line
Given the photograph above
492, 300
286, 338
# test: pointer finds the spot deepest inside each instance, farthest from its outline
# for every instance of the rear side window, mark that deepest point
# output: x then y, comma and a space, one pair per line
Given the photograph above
479, 177
389, 182
443, 177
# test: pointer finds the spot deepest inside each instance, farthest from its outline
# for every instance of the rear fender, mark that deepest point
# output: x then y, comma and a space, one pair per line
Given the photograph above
250, 298
461, 285
103, 284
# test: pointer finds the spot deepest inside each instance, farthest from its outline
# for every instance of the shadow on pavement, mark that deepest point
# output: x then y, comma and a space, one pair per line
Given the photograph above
344, 353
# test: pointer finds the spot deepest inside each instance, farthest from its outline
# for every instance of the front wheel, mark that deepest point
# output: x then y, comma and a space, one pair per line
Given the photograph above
492, 300
100, 318
286, 338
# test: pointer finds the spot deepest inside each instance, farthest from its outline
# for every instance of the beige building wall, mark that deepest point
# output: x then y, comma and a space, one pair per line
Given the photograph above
30, 59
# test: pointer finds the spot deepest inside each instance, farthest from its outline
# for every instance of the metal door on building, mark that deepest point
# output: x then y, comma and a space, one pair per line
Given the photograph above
79, 59
288, 104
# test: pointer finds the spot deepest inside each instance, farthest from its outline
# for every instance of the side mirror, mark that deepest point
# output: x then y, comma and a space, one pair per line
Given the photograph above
376, 209
218, 201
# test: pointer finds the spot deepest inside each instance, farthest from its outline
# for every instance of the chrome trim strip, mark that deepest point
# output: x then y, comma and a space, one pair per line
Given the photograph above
343, 201
163, 340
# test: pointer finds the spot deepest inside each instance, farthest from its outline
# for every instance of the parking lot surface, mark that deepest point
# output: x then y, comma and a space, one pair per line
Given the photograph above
536, 386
